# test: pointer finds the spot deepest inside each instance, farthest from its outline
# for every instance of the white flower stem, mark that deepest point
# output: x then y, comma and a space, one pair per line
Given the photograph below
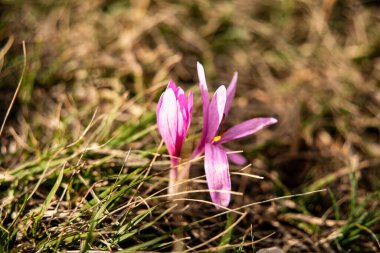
177, 175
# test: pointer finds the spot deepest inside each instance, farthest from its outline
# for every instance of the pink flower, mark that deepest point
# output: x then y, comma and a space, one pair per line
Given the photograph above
216, 162
174, 111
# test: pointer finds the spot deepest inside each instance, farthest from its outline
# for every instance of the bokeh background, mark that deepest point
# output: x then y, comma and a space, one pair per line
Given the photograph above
94, 72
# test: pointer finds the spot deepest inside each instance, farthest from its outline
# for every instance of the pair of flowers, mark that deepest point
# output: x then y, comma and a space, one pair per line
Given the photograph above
174, 113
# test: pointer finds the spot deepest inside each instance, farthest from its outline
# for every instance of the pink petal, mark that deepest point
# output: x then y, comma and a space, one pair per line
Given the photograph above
167, 120
230, 93
173, 87
158, 108
181, 127
189, 108
182, 101
180, 92
246, 128
215, 113
217, 174
236, 158
205, 103
203, 88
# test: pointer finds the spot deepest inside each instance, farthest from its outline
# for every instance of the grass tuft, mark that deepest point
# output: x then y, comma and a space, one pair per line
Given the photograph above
83, 168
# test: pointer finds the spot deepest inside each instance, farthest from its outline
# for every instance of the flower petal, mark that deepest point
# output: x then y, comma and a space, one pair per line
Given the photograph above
217, 174
181, 126
179, 92
189, 108
230, 93
171, 85
205, 104
246, 128
236, 158
215, 113
203, 87
167, 120
158, 108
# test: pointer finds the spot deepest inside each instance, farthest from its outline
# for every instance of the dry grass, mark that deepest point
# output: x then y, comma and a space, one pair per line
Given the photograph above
79, 163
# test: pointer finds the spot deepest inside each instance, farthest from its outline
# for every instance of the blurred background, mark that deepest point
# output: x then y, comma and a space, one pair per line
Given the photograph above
314, 65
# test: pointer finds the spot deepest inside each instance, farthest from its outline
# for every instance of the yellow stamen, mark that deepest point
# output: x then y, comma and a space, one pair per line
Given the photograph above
217, 138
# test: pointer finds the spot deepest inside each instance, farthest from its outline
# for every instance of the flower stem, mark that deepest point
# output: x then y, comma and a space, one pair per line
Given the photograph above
177, 175
173, 176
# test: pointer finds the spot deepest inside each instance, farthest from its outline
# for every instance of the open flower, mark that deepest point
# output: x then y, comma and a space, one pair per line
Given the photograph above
174, 111
216, 157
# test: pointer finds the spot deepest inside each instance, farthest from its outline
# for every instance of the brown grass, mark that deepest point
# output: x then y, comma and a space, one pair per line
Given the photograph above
100, 65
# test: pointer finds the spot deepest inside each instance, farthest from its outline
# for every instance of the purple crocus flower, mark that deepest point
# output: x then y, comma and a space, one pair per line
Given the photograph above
216, 157
174, 112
